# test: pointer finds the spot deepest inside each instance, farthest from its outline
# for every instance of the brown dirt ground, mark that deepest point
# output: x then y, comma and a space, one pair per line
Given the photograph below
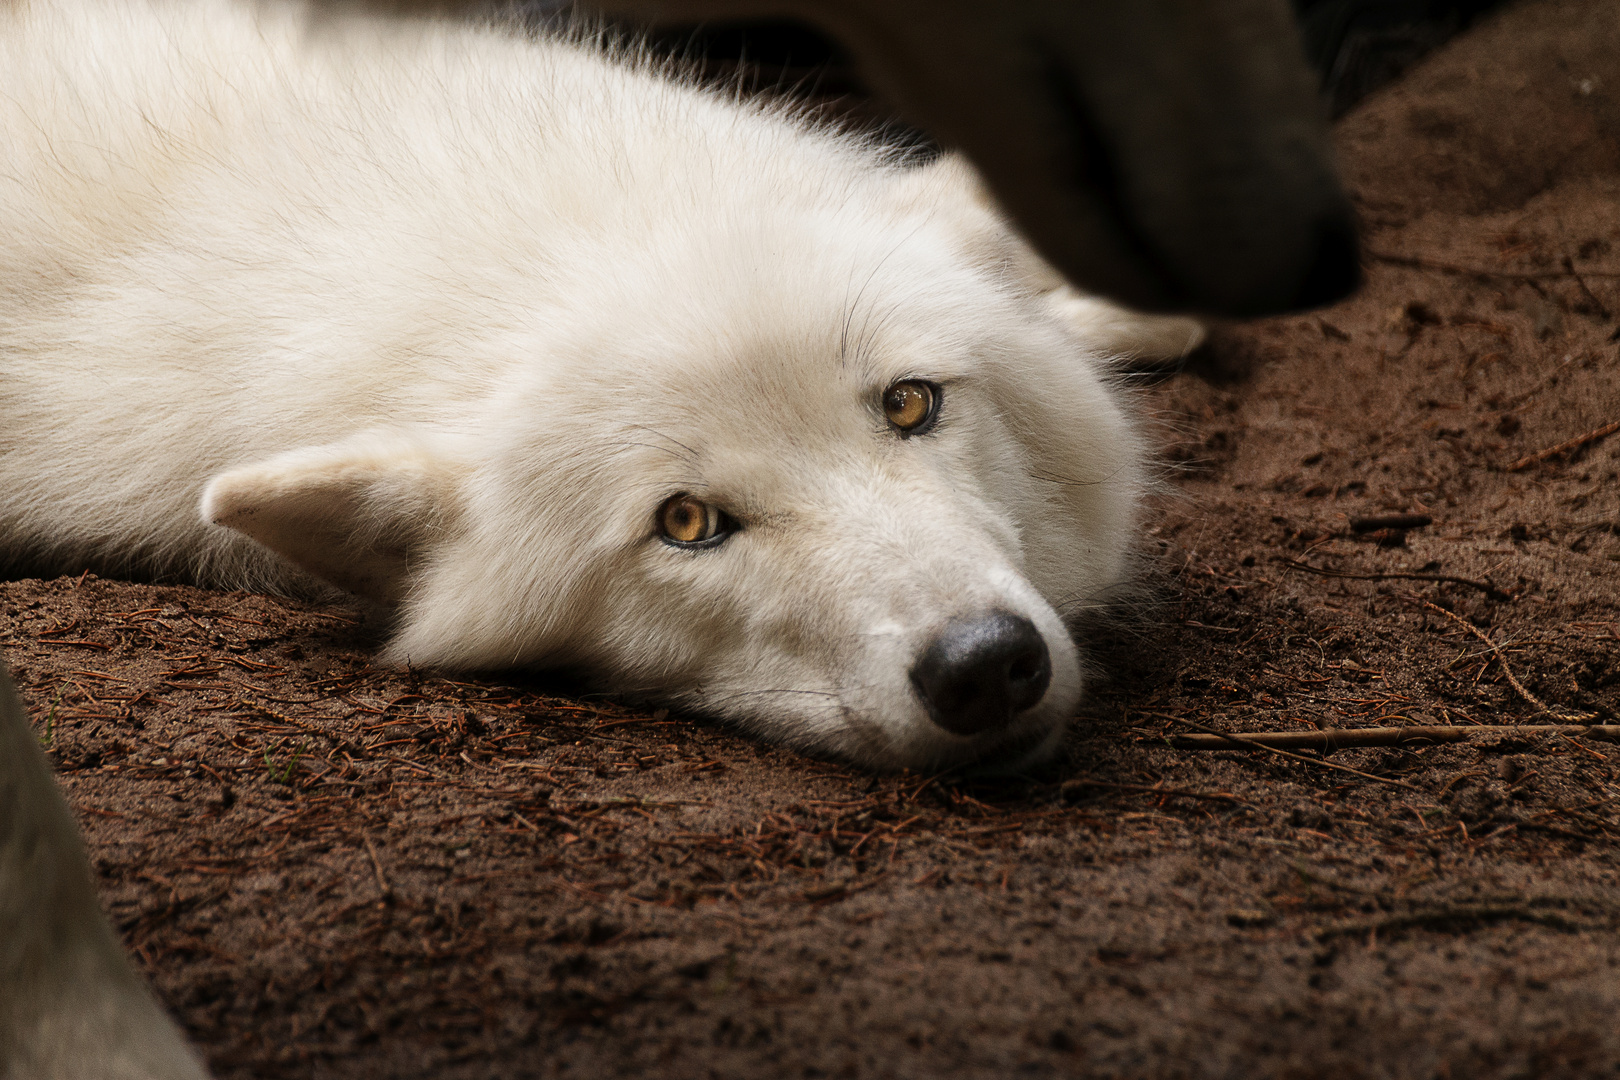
331, 869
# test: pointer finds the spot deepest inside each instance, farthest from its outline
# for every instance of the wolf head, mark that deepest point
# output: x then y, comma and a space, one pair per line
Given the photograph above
835, 473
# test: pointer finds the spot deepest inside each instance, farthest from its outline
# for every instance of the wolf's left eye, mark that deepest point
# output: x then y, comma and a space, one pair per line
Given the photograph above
911, 405
687, 521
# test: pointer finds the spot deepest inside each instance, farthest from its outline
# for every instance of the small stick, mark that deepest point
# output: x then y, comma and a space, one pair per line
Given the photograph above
1214, 796
1541, 384
1390, 521
1431, 917
1483, 586
1567, 447
1418, 263
259, 706
1240, 744
376, 866
1569, 265
1541, 706
1344, 738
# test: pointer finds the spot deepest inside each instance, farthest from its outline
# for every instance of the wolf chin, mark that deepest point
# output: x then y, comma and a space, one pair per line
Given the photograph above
565, 361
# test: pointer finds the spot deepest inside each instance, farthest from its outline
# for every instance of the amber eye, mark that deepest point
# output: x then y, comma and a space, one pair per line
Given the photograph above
689, 521
911, 405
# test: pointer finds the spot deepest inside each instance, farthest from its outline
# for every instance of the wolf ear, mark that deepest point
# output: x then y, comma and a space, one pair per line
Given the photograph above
354, 513
1117, 333
949, 186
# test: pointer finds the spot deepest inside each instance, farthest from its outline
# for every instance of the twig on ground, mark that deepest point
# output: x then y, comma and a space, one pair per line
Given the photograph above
376, 867
1147, 789
1240, 744
293, 721
1566, 834
1344, 738
1569, 446
1483, 586
1451, 915
1602, 308
1541, 706
1590, 804
1419, 263
1390, 521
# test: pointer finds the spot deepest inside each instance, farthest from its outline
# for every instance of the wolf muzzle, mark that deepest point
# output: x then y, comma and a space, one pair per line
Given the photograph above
981, 671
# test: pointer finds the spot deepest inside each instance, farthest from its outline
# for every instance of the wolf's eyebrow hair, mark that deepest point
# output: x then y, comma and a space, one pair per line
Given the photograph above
684, 453
852, 306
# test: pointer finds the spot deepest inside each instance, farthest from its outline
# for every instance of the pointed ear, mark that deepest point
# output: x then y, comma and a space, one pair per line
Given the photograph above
1117, 333
354, 513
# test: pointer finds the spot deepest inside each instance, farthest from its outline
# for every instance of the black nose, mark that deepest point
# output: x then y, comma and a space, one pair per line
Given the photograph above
981, 670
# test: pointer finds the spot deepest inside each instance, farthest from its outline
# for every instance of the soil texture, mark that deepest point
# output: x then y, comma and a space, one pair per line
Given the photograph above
330, 868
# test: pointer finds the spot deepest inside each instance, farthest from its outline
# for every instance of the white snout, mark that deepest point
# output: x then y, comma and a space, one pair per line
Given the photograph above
992, 681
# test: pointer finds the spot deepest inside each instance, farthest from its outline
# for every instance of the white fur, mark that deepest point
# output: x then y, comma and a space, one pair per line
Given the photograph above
442, 315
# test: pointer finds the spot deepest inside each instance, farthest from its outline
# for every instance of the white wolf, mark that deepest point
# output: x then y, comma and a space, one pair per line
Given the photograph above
566, 362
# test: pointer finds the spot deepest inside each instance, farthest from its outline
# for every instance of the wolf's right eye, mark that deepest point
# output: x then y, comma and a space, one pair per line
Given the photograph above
687, 521
911, 405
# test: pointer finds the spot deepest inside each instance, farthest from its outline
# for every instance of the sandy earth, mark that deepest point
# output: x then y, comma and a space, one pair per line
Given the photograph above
331, 869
